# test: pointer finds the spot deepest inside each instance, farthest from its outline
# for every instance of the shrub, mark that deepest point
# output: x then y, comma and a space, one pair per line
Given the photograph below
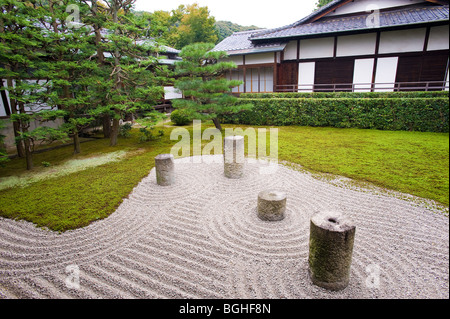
147, 135
125, 130
46, 164
348, 95
179, 118
401, 114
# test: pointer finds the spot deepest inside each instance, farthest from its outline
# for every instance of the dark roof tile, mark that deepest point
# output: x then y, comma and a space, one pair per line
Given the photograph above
334, 24
239, 43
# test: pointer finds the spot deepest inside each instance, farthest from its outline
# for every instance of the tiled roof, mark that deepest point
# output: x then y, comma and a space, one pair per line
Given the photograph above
409, 16
162, 48
239, 43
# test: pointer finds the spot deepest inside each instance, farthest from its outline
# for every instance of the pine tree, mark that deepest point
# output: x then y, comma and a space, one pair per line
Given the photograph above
129, 71
133, 84
71, 65
206, 90
22, 54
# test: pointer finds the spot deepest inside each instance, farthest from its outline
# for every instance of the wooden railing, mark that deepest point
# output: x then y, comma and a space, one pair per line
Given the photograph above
366, 87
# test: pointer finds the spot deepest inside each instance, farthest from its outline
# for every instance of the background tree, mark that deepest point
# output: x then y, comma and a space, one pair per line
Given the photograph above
227, 28
182, 26
132, 84
196, 26
22, 54
207, 92
322, 3
72, 67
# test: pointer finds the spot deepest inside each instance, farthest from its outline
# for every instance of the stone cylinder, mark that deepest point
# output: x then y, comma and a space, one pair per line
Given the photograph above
165, 169
332, 237
272, 205
234, 157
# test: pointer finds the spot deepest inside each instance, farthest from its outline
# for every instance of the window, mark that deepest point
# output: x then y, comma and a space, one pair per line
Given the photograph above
239, 76
414, 72
333, 75
258, 80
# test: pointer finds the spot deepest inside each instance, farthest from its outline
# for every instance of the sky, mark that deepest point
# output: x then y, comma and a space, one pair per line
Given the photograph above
263, 14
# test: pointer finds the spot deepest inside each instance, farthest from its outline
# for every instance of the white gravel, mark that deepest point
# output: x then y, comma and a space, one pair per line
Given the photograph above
201, 238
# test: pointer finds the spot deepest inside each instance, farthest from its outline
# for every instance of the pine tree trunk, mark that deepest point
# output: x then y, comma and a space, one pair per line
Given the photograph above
26, 142
76, 143
16, 125
115, 127
114, 132
19, 144
217, 124
107, 126
28, 155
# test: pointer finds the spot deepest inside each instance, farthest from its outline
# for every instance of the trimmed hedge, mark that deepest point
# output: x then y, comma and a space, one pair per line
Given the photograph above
418, 114
354, 95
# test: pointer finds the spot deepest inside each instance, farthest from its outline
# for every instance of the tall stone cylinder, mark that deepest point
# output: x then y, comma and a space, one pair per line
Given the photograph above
332, 237
234, 157
272, 205
165, 169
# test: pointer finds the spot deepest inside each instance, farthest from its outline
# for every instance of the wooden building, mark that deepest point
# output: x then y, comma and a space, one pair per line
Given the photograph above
348, 45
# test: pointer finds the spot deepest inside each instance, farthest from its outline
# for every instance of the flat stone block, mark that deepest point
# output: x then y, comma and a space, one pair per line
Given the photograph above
331, 243
272, 205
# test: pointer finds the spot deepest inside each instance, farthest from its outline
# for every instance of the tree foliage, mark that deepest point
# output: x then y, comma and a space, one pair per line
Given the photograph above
206, 91
182, 26
322, 3
80, 60
227, 28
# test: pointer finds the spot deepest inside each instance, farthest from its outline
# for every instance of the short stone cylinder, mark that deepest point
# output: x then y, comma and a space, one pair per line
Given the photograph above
332, 237
234, 157
272, 205
165, 169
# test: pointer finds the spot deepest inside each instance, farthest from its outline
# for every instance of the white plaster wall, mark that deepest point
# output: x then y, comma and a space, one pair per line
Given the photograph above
364, 5
386, 73
439, 38
237, 59
402, 41
2, 107
306, 76
363, 74
316, 48
259, 58
171, 93
448, 81
290, 53
9, 131
360, 44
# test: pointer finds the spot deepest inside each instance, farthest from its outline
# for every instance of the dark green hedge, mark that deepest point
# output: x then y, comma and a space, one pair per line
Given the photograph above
419, 114
340, 95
